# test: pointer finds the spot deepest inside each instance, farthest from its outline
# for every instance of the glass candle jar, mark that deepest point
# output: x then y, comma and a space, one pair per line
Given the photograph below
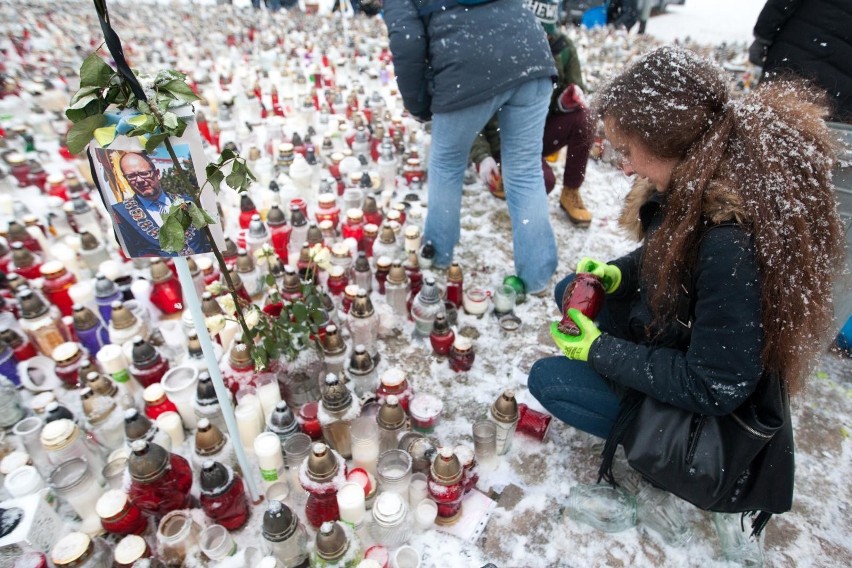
308, 421
462, 354
336, 546
156, 402
69, 357
337, 410
177, 534
321, 475
148, 366
74, 481
284, 537
445, 486
166, 292
364, 436
504, 413
57, 281
425, 411
391, 526
585, 293
62, 440
394, 471
455, 281
160, 481
442, 336
533, 423
223, 497
11, 409
394, 382
475, 301
119, 515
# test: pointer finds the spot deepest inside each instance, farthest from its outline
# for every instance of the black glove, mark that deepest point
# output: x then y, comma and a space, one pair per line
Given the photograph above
757, 51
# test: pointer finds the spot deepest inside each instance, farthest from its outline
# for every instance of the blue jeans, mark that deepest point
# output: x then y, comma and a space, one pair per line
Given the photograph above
521, 112
571, 390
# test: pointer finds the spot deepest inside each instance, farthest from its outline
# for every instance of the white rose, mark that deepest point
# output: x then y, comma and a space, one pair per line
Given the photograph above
215, 324
252, 318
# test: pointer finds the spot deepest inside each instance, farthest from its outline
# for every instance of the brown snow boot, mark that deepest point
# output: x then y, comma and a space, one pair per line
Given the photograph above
572, 204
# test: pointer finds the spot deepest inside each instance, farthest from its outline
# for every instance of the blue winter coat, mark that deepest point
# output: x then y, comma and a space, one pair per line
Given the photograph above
465, 55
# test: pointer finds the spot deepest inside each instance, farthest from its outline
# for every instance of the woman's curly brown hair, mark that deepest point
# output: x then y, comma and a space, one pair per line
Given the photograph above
773, 149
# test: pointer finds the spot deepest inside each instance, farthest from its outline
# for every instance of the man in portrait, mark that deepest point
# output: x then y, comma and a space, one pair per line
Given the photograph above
140, 217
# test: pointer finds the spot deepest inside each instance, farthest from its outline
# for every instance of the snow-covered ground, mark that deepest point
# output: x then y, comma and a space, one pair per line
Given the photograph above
528, 527
707, 21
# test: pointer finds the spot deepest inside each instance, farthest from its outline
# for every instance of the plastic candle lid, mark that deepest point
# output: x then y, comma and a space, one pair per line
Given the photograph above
111, 503
153, 393
129, 549
393, 377
70, 548
13, 461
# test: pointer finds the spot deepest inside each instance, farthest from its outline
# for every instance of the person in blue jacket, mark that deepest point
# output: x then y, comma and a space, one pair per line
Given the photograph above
140, 217
458, 65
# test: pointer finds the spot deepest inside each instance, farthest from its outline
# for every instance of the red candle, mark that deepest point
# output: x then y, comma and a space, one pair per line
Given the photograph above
156, 402
308, 421
533, 423
442, 336
119, 515
57, 281
223, 496
166, 292
586, 293
161, 484
354, 227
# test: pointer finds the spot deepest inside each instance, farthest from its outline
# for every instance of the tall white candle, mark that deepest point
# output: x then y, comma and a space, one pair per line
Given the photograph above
248, 423
270, 459
269, 394
252, 399
170, 423
365, 454
350, 501
417, 490
228, 333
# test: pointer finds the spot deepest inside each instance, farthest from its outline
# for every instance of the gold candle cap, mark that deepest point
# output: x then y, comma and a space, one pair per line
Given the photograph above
147, 461
21, 256
387, 236
362, 307
322, 463
209, 305
121, 318
360, 362
240, 354
331, 541
336, 396
333, 344
245, 263
454, 273
446, 468
391, 416
70, 549
505, 408
208, 438
397, 273
159, 271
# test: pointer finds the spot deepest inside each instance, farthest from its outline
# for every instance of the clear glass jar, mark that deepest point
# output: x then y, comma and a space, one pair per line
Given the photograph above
394, 471
177, 534
74, 481
391, 524
11, 410
284, 536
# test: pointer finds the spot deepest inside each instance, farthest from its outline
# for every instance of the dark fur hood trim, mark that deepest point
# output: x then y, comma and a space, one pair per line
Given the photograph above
721, 205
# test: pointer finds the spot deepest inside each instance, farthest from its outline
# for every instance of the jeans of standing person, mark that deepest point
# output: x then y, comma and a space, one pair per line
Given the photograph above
571, 129
521, 112
570, 390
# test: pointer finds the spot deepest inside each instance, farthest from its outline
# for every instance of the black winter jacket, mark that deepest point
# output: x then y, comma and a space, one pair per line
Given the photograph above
466, 54
812, 38
711, 367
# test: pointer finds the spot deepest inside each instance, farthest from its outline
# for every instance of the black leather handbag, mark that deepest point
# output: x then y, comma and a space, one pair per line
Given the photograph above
706, 460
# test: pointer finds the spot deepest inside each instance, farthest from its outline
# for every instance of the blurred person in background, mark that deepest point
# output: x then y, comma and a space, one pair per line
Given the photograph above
566, 126
458, 62
811, 38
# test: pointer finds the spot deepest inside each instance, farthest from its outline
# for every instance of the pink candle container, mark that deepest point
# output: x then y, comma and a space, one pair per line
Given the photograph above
425, 411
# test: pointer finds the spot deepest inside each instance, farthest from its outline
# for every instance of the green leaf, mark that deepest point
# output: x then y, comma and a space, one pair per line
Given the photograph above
235, 180
94, 107
81, 132
172, 236
270, 280
318, 316
166, 76
143, 107
200, 217
183, 218
154, 141
84, 96
170, 120
300, 311
95, 72
226, 155
215, 177
181, 91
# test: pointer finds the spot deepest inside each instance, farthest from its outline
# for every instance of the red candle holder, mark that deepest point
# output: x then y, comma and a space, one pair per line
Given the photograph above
533, 423
308, 421
586, 293
119, 515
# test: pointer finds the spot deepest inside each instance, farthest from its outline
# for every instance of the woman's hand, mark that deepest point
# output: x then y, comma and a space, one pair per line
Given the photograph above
609, 274
576, 346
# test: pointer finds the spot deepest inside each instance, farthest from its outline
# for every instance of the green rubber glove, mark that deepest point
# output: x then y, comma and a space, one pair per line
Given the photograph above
609, 274
576, 346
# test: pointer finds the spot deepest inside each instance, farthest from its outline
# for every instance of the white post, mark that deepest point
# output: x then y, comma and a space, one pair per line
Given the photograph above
191, 297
